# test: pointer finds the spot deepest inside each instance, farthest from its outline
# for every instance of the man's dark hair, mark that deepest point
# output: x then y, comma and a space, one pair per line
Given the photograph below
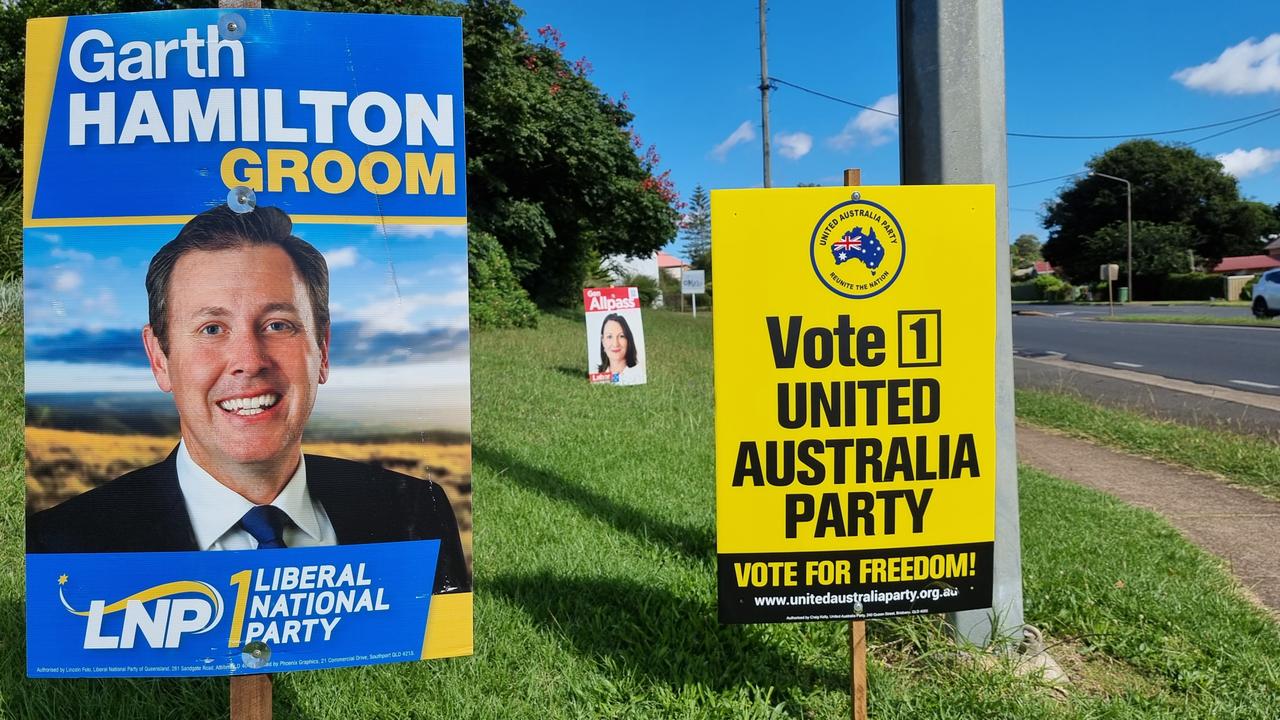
632, 357
221, 228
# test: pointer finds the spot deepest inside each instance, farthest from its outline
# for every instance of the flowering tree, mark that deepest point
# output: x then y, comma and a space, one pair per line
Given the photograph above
555, 171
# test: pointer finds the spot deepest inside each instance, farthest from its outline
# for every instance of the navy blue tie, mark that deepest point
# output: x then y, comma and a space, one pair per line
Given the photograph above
266, 524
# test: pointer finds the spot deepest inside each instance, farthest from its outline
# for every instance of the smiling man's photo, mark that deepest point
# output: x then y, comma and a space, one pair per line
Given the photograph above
239, 335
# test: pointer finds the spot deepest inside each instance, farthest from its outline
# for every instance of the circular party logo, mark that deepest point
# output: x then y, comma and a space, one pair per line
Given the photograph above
857, 249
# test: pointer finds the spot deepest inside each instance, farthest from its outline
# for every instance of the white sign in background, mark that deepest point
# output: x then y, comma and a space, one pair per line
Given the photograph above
693, 282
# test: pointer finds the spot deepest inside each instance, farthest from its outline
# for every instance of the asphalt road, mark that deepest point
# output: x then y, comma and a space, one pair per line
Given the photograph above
1242, 358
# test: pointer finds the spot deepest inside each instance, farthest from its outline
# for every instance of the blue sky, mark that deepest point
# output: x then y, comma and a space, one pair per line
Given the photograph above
398, 304
1087, 67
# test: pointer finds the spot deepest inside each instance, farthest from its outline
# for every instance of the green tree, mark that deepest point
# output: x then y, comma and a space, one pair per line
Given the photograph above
554, 170
1024, 251
695, 227
1172, 185
1251, 222
1157, 249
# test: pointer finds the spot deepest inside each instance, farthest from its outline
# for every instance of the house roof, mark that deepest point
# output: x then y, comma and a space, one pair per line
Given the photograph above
1044, 268
670, 261
1273, 245
1246, 262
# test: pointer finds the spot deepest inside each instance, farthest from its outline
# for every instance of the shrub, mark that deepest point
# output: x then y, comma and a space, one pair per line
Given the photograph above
600, 272
1246, 292
670, 290
497, 299
1053, 289
1191, 286
645, 285
1025, 290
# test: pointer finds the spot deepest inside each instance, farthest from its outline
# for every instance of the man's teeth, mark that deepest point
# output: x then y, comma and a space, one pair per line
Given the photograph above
251, 405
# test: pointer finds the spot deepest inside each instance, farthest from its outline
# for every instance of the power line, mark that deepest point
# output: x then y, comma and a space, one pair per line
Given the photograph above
1256, 117
1274, 114
842, 101
1051, 179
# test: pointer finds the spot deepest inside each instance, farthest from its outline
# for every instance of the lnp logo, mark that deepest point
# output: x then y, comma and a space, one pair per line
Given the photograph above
857, 249
161, 626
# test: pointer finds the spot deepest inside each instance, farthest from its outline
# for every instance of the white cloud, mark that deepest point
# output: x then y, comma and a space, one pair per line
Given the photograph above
1250, 67
869, 127
745, 133
1243, 163
422, 231
397, 314
72, 255
342, 257
794, 145
66, 281
46, 376
101, 306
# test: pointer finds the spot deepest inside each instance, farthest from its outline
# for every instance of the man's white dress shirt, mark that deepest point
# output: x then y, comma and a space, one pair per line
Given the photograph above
216, 509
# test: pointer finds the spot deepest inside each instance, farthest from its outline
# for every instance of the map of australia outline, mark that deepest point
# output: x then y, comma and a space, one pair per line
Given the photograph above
862, 246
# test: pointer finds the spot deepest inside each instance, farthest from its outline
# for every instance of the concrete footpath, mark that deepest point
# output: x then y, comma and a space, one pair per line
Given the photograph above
1243, 529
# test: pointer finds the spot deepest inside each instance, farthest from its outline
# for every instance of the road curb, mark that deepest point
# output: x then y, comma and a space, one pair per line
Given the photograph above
1208, 406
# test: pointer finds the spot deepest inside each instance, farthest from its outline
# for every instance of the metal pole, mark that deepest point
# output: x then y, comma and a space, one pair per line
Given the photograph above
951, 90
764, 95
1128, 212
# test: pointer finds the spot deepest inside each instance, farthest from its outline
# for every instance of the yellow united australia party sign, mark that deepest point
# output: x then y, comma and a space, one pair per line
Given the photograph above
855, 401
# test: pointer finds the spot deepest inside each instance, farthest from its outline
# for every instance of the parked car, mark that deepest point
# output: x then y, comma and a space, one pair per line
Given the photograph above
1266, 295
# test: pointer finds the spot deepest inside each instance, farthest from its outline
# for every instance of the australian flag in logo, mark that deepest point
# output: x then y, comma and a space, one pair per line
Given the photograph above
859, 245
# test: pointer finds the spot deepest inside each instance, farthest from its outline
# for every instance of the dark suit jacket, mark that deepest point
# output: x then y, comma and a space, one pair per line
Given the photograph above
143, 511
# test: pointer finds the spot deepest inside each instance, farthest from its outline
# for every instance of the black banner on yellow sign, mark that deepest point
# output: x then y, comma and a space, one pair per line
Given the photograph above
855, 400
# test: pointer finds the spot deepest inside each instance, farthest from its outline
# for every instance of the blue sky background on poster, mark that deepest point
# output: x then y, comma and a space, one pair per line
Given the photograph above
86, 305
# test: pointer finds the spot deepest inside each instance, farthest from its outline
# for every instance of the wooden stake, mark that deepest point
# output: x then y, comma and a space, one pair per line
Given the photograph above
858, 668
251, 697
857, 628
250, 694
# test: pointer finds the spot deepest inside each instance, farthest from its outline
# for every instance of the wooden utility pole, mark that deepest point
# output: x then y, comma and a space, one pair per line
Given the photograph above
764, 95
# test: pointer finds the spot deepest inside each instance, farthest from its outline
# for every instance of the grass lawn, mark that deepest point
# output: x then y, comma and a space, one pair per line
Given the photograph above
595, 584
1247, 320
1242, 459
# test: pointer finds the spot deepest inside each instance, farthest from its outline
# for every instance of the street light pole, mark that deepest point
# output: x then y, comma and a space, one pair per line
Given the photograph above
1128, 208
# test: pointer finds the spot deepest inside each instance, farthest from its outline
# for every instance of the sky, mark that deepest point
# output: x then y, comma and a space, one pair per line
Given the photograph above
691, 72
397, 302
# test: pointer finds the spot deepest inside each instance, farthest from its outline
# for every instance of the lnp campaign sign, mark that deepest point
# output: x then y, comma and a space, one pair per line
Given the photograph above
615, 336
855, 401
246, 329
